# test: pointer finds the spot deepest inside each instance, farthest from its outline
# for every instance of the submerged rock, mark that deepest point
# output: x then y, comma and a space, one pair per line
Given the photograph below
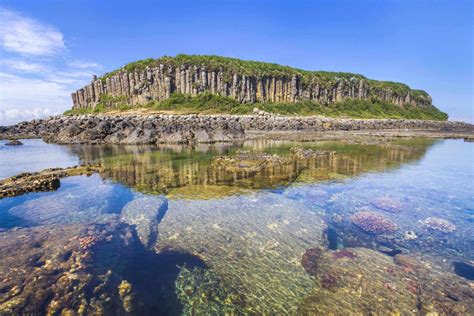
409, 263
310, 260
464, 270
344, 253
439, 224
45, 180
126, 295
373, 284
203, 292
373, 223
302, 153
249, 162
144, 212
55, 269
87, 269
410, 235
254, 243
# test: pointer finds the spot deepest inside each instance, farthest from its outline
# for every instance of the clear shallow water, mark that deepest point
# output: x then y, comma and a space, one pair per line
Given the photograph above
182, 237
33, 156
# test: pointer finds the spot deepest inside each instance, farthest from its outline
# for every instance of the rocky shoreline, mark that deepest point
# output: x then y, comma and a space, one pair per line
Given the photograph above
164, 128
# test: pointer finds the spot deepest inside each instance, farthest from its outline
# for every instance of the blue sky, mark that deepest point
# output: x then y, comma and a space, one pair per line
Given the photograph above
51, 48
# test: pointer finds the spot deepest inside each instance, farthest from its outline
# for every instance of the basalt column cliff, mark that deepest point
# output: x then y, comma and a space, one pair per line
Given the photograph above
246, 81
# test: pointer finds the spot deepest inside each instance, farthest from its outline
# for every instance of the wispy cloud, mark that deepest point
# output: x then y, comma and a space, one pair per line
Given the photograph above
24, 66
37, 75
84, 64
26, 36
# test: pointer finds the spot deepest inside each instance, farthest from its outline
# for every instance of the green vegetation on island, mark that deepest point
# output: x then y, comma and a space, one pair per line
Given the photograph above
207, 103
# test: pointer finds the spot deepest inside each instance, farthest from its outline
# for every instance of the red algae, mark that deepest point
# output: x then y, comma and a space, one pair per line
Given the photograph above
311, 260
344, 253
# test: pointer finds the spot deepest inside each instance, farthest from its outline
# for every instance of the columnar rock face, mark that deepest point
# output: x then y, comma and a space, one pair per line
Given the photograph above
158, 81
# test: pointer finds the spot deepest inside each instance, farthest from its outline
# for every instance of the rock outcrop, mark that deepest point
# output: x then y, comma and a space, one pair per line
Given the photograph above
158, 128
245, 81
43, 181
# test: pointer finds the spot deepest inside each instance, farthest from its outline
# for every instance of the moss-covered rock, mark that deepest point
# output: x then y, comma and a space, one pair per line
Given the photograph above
370, 283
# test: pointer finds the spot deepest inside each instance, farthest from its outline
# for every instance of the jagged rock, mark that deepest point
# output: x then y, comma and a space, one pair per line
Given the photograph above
202, 137
220, 136
155, 128
174, 138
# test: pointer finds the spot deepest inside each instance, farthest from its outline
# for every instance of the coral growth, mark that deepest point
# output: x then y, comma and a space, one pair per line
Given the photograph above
439, 224
373, 223
387, 204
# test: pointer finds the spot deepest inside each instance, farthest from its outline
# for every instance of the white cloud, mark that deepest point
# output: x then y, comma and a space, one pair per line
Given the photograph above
84, 64
24, 66
27, 95
36, 74
26, 36
12, 116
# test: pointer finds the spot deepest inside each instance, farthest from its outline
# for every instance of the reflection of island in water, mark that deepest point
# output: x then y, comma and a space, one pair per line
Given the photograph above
188, 172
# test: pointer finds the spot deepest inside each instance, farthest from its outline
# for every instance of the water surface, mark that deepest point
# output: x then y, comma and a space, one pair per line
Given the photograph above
193, 240
34, 155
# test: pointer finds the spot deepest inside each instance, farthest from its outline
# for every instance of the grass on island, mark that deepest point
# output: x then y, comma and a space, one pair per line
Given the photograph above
207, 103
